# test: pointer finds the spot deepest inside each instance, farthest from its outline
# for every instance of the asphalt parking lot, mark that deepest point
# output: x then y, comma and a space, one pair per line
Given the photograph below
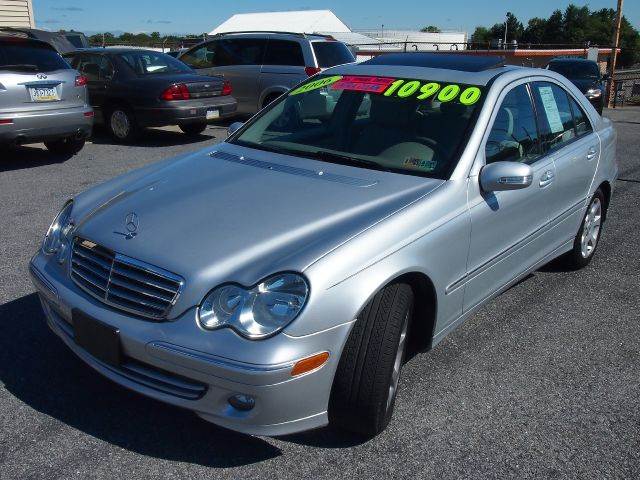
542, 383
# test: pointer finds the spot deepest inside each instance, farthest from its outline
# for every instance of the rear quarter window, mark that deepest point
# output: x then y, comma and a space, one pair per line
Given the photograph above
330, 54
28, 56
283, 52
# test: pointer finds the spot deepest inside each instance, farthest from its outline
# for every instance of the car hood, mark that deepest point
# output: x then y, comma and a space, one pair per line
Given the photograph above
238, 214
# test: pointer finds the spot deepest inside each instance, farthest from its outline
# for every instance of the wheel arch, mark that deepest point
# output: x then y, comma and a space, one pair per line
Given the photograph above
274, 91
605, 187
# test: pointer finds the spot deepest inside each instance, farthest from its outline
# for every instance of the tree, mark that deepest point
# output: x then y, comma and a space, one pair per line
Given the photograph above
481, 35
431, 29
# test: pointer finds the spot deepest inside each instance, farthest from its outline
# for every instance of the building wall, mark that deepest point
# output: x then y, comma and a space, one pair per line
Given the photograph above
16, 13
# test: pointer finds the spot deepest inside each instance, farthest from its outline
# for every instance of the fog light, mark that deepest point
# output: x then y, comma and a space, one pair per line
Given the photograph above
242, 402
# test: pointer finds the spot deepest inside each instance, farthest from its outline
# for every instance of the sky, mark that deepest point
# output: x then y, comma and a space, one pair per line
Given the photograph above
198, 16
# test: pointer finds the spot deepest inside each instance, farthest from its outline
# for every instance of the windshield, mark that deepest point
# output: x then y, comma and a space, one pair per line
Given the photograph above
148, 63
407, 126
576, 70
17, 55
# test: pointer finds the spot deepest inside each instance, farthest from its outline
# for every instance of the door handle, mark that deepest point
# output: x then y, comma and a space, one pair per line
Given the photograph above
547, 178
591, 154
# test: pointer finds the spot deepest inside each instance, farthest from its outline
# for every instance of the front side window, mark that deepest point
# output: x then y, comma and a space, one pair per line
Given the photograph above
554, 114
149, 63
201, 57
415, 127
583, 125
95, 67
514, 134
283, 52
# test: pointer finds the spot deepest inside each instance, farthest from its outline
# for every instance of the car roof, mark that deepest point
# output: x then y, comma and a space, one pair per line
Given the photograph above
461, 62
23, 39
461, 68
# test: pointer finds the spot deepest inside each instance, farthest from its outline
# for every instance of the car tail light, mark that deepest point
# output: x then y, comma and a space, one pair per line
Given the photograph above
226, 88
81, 81
6, 121
311, 70
178, 91
89, 114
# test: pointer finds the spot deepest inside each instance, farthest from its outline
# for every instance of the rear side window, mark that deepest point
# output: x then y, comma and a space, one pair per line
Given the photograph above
583, 125
554, 113
514, 134
244, 51
29, 57
283, 52
329, 54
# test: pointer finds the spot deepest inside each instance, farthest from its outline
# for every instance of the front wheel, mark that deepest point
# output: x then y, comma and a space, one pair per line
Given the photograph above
586, 240
65, 146
193, 129
366, 381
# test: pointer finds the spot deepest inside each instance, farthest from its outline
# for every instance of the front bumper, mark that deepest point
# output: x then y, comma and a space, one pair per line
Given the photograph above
178, 360
38, 126
185, 111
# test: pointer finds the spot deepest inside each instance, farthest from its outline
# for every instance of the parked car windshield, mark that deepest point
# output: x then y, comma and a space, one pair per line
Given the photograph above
149, 63
330, 54
407, 126
576, 70
30, 57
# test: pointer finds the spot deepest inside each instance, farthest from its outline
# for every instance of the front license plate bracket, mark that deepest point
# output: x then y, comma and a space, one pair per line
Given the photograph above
100, 340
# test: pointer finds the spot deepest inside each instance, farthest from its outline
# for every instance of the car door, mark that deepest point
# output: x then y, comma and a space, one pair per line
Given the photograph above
568, 137
98, 70
239, 60
283, 67
508, 227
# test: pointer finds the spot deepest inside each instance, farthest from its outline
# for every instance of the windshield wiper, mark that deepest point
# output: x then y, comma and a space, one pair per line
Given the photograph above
20, 66
340, 159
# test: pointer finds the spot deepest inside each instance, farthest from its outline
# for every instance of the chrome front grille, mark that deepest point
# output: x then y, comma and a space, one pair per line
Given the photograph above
123, 282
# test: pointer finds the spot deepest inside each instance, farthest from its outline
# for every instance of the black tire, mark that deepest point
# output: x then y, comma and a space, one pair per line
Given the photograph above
65, 146
193, 129
579, 257
361, 397
122, 125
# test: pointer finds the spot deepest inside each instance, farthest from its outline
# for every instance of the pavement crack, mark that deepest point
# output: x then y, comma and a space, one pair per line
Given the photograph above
632, 180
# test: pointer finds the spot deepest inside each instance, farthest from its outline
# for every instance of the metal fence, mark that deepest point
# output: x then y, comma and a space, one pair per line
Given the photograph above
626, 88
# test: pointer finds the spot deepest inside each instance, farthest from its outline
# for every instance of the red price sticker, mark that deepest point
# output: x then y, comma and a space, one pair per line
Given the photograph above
359, 83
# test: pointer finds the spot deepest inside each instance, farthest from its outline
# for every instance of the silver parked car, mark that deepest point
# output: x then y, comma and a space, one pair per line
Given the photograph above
41, 97
261, 66
273, 282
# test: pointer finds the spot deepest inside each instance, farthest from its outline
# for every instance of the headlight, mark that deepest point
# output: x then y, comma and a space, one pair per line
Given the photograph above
256, 312
59, 230
594, 92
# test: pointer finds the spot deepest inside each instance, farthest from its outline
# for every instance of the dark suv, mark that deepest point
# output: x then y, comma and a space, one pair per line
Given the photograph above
585, 75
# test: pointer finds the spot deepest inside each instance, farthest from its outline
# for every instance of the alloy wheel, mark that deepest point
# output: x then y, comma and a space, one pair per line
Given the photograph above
397, 364
120, 124
591, 228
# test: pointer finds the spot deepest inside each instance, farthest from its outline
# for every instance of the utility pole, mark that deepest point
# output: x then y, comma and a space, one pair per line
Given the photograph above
614, 53
506, 23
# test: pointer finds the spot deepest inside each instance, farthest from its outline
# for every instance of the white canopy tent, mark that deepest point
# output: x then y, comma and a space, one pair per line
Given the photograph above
304, 21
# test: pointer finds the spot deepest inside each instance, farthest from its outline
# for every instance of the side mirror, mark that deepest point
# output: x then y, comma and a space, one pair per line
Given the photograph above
499, 176
234, 127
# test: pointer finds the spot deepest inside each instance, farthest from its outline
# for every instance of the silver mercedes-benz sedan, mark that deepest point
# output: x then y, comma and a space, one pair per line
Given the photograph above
275, 282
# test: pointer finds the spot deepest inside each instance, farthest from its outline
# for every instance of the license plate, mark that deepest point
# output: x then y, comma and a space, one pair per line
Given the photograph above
211, 114
44, 94
98, 339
